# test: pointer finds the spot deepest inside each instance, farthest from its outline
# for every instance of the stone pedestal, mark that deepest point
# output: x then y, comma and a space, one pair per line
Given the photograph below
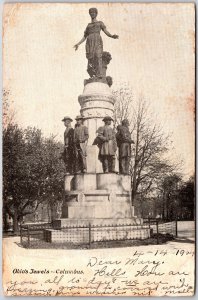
90, 196
93, 163
96, 199
97, 101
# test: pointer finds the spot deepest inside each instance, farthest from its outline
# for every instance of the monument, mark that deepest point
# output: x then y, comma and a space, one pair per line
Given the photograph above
97, 195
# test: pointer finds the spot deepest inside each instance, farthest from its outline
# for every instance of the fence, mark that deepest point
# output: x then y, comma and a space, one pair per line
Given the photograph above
96, 233
83, 234
33, 232
161, 226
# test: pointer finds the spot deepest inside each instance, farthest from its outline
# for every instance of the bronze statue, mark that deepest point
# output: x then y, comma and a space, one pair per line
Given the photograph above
81, 136
94, 44
124, 142
68, 153
106, 141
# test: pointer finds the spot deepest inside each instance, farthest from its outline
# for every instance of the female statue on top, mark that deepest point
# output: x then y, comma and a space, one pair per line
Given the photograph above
94, 44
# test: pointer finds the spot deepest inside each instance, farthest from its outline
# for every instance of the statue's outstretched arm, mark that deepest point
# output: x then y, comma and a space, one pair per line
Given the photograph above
113, 36
78, 44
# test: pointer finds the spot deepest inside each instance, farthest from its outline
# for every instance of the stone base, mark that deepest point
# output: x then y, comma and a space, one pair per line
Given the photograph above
97, 204
100, 181
79, 231
90, 196
60, 223
102, 201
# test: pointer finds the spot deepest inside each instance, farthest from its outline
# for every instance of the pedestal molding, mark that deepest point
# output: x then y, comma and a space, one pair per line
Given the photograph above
96, 97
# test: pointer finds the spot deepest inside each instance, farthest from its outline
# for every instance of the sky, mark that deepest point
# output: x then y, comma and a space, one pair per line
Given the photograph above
154, 55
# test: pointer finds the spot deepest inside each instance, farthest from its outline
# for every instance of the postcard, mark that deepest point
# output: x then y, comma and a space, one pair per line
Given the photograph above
99, 149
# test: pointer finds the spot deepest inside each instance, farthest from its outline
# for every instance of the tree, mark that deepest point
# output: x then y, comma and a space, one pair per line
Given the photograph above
187, 199
150, 158
169, 188
177, 197
123, 105
32, 171
21, 169
54, 192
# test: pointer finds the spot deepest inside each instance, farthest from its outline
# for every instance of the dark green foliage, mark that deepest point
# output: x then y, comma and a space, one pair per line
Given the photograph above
32, 171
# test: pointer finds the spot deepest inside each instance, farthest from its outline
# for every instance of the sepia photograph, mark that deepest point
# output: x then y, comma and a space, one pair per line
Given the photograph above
98, 149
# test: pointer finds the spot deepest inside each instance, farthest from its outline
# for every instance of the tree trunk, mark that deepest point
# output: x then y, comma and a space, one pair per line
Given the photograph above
165, 212
5, 221
133, 196
49, 212
15, 223
134, 184
142, 207
134, 176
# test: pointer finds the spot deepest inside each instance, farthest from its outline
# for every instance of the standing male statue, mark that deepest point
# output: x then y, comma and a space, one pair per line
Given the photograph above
68, 154
94, 44
81, 136
124, 142
108, 146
